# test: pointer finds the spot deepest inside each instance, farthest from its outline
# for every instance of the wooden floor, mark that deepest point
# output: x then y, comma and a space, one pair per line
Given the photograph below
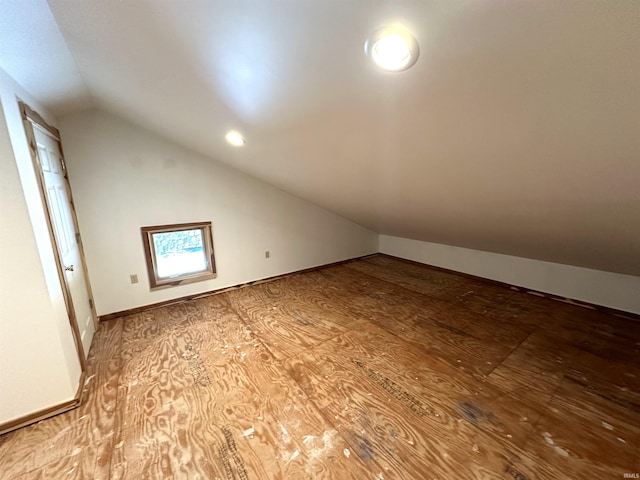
375, 369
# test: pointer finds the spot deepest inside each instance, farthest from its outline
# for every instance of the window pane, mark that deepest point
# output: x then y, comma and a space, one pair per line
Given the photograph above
179, 253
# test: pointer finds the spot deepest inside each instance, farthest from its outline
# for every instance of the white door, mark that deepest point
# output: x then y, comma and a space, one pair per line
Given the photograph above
67, 238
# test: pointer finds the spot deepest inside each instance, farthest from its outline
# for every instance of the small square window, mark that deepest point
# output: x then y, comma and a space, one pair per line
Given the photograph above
178, 254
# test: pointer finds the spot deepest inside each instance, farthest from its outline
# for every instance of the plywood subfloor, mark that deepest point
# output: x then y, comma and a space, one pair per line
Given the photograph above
376, 369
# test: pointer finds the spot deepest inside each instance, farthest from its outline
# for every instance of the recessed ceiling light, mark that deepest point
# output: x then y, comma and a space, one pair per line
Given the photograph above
235, 138
392, 48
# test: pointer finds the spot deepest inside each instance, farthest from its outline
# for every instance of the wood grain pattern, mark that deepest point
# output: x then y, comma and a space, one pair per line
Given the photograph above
375, 369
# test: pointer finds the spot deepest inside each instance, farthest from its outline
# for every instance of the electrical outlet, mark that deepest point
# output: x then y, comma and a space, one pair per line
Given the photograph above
267, 254
134, 278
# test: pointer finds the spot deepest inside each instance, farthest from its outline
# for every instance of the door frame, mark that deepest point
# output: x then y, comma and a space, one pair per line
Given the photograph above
31, 119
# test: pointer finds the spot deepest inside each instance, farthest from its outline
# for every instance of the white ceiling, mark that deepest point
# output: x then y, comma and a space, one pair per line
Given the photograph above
517, 131
33, 51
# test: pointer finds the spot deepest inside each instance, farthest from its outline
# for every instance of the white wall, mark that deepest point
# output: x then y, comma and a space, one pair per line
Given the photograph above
39, 366
124, 177
601, 288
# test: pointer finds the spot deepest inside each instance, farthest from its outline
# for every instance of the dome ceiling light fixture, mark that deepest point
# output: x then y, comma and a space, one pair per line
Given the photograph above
235, 138
392, 48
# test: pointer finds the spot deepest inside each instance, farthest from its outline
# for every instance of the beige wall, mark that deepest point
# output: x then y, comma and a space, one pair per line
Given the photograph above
601, 288
39, 366
124, 177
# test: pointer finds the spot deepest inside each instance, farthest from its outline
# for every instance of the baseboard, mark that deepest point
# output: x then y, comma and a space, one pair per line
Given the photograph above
551, 296
188, 298
613, 290
537, 293
48, 412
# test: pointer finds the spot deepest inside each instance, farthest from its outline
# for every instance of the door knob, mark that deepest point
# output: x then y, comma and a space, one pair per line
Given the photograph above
69, 268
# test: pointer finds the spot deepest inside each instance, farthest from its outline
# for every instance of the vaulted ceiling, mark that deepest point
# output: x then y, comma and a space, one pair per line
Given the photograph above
517, 131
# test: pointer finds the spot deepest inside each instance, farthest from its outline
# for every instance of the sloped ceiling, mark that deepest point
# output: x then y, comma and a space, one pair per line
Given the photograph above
517, 131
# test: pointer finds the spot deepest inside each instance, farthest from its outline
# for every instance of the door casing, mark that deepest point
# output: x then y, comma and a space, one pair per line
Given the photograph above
31, 119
